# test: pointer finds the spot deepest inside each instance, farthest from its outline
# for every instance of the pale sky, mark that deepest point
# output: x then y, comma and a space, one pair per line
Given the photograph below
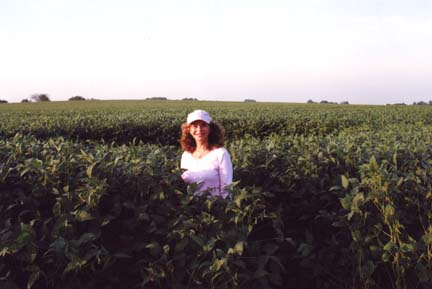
361, 51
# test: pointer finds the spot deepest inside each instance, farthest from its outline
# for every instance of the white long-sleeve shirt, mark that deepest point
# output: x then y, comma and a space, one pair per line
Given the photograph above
212, 172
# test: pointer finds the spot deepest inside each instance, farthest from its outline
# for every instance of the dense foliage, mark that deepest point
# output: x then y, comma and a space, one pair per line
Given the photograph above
325, 197
158, 122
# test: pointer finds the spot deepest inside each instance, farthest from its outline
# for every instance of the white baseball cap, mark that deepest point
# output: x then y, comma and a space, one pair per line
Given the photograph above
199, 115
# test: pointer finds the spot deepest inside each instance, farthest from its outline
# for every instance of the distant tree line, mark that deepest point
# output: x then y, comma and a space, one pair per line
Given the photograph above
414, 103
156, 98
42, 97
346, 102
327, 102
77, 97
423, 103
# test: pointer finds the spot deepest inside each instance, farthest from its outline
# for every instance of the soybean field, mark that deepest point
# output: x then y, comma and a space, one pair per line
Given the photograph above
324, 196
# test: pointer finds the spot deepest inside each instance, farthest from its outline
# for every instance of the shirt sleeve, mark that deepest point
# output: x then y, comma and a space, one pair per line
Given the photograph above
183, 164
225, 171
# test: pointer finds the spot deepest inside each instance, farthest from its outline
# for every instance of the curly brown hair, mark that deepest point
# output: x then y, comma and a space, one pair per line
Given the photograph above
216, 137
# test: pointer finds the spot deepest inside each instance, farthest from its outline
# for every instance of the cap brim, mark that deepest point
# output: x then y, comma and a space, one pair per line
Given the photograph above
197, 118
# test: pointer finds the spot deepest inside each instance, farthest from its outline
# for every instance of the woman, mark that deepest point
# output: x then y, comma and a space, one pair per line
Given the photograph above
205, 161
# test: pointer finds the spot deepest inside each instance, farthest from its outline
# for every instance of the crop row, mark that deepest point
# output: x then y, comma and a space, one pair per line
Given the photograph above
346, 210
159, 122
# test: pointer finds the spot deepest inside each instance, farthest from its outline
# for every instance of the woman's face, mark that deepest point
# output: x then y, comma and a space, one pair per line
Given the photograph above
199, 130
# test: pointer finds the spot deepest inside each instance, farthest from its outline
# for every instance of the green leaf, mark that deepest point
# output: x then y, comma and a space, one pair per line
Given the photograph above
239, 198
26, 235
395, 158
26, 170
345, 182
427, 238
389, 246
74, 265
152, 245
373, 164
389, 210
218, 264
386, 257
237, 249
407, 248
56, 209
32, 279
358, 201
89, 170
346, 202
400, 181
350, 215
58, 246
155, 248
86, 238
37, 164
83, 215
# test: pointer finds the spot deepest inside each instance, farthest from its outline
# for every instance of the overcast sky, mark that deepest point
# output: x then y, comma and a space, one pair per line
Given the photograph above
361, 51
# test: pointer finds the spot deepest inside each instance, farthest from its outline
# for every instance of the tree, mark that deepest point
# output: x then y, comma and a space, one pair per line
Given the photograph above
77, 97
25, 100
156, 98
327, 102
249, 100
3, 101
344, 102
310, 101
40, 97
